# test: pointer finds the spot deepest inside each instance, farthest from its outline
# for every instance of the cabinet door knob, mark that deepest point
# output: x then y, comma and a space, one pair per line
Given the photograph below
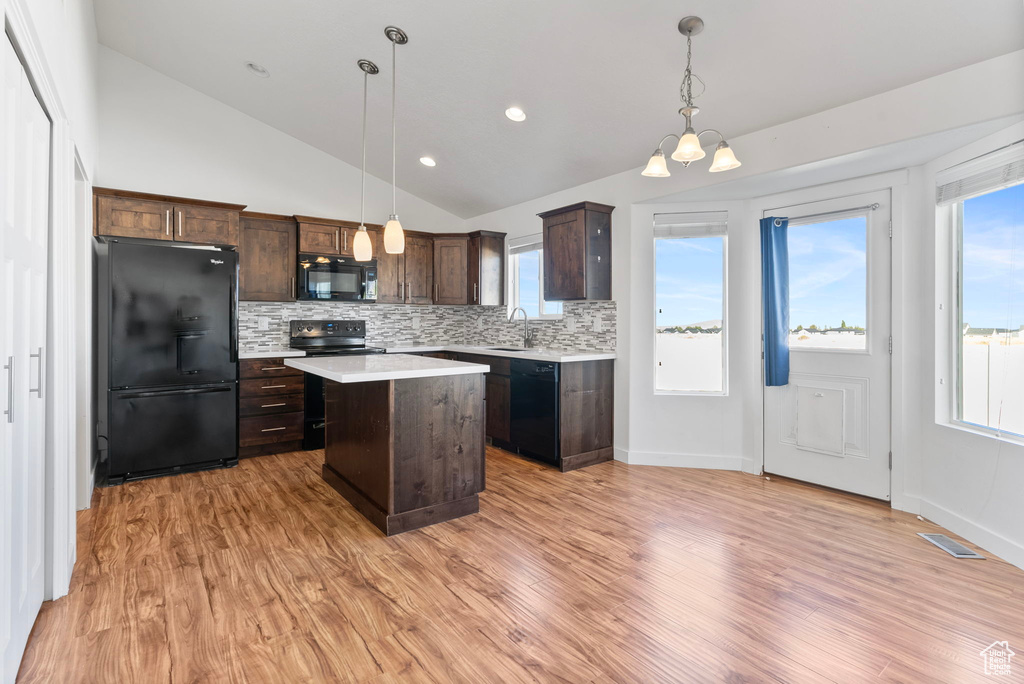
167, 222
180, 221
475, 285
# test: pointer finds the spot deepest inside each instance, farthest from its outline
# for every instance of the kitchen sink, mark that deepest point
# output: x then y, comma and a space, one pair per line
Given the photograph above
508, 349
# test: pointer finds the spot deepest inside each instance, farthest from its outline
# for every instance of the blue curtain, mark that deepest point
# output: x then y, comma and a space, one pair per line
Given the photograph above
775, 299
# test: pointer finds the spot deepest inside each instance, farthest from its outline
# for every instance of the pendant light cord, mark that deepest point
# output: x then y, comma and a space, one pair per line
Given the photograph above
362, 178
394, 153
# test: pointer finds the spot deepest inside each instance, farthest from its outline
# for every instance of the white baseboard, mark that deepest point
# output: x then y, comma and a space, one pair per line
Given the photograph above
681, 460
993, 542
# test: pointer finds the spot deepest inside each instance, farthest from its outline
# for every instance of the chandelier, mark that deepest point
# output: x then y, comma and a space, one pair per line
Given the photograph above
689, 148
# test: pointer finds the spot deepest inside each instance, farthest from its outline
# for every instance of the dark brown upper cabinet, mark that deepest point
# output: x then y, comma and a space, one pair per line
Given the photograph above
485, 269
419, 270
326, 236
577, 252
406, 278
450, 269
123, 213
267, 260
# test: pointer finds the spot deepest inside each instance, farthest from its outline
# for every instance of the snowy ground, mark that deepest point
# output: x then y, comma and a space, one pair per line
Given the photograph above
993, 373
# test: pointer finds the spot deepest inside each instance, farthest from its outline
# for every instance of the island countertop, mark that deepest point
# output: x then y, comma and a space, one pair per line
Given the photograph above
376, 367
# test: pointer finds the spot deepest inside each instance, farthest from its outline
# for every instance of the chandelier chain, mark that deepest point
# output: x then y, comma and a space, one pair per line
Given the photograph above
686, 88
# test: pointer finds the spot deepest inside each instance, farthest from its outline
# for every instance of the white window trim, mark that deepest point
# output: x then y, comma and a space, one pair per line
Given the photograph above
517, 246
678, 233
950, 218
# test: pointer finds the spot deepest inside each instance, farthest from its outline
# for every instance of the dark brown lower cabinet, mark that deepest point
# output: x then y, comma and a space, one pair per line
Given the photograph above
270, 407
585, 419
499, 397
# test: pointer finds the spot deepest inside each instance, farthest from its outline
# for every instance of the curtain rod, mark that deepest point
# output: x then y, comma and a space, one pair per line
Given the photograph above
870, 207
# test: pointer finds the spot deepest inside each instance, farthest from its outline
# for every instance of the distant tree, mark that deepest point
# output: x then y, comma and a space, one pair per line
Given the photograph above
843, 324
799, 328
812, 327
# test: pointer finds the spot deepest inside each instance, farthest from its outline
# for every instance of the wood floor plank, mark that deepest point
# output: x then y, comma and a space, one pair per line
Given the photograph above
613, 573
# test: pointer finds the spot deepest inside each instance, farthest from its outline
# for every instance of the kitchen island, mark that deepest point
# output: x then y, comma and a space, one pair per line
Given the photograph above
404, 440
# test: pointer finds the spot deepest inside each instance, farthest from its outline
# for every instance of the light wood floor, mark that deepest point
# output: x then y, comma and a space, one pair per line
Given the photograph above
614, 573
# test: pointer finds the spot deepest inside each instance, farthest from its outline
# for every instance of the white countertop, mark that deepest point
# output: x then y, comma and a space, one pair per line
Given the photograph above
537, 354
270, 353
551, 355
374, 367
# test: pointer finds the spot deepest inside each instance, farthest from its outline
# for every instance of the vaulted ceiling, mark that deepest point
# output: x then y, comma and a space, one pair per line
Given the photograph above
598, 79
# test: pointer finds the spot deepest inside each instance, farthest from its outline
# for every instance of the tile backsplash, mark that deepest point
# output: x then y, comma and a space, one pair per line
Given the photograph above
583, 326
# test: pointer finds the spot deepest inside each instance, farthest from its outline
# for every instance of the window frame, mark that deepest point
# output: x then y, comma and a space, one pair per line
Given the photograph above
954, 220
532, 243
724, 392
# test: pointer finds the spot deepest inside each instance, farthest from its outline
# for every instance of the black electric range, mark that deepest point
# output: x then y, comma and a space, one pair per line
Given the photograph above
325, 338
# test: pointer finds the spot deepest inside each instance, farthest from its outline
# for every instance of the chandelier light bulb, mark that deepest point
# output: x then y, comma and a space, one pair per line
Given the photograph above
724, 160
689, 149
656, 167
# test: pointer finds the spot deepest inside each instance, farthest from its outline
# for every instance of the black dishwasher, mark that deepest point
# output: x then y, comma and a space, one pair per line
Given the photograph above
534, 411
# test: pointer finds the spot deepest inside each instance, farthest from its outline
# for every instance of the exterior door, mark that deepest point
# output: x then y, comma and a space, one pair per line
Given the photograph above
26, 157
831, 424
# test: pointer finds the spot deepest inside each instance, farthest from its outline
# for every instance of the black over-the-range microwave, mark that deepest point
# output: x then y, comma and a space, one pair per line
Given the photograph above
336, 278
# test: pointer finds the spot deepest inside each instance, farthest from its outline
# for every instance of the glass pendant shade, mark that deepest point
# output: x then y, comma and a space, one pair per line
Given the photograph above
362, 246
724, 159
689, 149
656, 167
394, 236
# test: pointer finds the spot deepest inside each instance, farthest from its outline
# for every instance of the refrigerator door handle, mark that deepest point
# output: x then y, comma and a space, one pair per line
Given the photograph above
165, 393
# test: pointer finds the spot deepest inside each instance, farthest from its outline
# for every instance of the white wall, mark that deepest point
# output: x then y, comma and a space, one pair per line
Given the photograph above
968, 482
66, 32
726, 432
158, 135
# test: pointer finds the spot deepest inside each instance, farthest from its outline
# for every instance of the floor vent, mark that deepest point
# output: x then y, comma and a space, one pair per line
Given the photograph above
953, 548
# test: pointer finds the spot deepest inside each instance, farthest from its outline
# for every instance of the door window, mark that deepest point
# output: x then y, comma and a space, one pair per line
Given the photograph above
828, 285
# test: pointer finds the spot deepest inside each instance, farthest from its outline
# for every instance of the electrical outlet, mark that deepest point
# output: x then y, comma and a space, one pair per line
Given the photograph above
263, 322
416, 322
570, 324
596, 327
480, 323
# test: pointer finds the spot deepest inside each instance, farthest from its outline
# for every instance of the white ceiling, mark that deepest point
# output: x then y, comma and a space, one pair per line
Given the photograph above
598, 78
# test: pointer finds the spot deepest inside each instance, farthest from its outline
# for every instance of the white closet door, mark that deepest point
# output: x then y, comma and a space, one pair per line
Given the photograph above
25, 257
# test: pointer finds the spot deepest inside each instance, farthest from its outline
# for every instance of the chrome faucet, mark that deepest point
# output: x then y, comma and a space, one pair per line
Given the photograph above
526, 324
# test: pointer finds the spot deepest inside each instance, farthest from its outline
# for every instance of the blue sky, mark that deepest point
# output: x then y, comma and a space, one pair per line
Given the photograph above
827, 273
828, 277
689, 280
993, 258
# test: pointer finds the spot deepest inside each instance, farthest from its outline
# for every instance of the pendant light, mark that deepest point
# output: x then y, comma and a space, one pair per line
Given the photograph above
394, 236
688, 149
362, 246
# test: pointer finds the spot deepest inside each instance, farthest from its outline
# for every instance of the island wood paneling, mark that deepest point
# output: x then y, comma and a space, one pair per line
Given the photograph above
407, 453
615, 573
586, 413
439, 446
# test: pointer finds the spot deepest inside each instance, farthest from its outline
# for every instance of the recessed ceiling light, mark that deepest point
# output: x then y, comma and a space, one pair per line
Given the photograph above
257, 69
516, 114
428, 161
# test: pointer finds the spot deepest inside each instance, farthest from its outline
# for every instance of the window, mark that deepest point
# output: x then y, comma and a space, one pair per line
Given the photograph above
689, 297
986, 206
526, 281
828, 288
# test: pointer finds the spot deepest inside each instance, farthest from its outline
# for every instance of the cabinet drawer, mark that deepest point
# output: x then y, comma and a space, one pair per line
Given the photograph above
292, 384
499, 364
261, 406
257, 430
265, 368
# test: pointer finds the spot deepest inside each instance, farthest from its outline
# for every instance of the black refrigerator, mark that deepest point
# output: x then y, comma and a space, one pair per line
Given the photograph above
166, 359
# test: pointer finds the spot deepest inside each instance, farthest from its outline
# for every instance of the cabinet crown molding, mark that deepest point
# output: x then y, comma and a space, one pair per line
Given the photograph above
590, 206
150, 197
